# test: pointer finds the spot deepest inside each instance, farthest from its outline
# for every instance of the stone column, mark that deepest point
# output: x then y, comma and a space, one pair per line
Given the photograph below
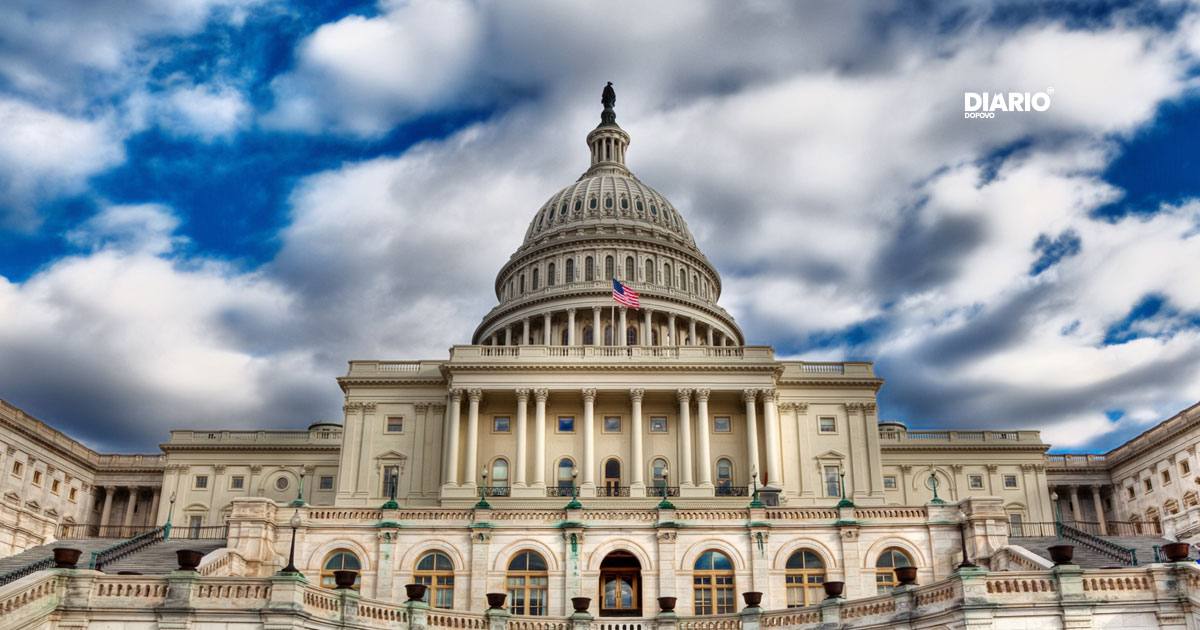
703, 428
472, 463
450, 458
671, 328
522, 437
547, 337
637, 485
507, 335
685, 437
589, 440
1099, 509
128, 522
647, 331
771, 437
367, 435
525, 331
749, 396
709, 333
571, 327
1076, 515
597, 332
692, 332
109, 491
624, 335
804, 485
539, 437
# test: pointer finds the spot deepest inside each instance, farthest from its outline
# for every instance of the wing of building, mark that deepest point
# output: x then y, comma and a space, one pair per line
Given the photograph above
579, 448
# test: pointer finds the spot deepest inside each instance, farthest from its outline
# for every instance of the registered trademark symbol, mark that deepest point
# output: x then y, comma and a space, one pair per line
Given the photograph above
1050, 90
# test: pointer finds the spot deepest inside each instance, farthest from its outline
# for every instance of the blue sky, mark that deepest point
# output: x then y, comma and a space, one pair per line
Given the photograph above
208, 206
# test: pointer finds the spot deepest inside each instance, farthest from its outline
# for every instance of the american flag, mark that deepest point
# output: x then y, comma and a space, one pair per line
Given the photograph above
624, 294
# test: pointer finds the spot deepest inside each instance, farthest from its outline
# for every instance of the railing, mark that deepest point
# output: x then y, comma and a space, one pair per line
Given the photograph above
1032, 530
560, 491
731, 491
658, 491
1134, 528
126, 547
1077, 460
891, 434
836, 368
207, 532
612, 491
29, 569
496, 491
1095, 543
316, 436
84, 530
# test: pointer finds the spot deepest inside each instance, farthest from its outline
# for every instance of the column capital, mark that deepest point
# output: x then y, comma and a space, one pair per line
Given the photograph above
421, 407
456, 395
684, 395
1096, 488
525, 320
854, 406
869, 407
133, 488
768, 395
589, 394
110, 489
522, 395
541, 394
475, 395
368, 407
802, 407
749, 395
702, 395
571, 311
671, 316
636, 394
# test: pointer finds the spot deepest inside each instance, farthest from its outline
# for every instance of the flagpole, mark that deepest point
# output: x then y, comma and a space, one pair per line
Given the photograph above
612, 316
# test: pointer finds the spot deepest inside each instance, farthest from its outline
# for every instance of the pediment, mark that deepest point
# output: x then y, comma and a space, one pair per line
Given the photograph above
12, 497
831, 455
392, 455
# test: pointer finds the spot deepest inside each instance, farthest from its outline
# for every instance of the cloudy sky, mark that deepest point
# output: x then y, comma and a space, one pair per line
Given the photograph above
208, 206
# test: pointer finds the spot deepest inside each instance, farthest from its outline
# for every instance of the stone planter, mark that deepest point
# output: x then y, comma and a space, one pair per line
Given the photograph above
65, 557
189, 559
1174, 552
495, 600
906, 576
752, 598
344, 579
667, 604
1061, 554
833, 590
581, 603
415, 592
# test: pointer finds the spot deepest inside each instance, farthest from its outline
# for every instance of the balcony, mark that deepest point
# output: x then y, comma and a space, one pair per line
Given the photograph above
234, 439
1075, 461
572, 354
889, 437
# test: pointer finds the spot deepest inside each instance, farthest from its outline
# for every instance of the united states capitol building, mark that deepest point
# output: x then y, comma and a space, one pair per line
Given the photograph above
645, 459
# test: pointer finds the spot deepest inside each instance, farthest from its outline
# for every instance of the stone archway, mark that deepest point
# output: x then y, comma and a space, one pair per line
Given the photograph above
620, 585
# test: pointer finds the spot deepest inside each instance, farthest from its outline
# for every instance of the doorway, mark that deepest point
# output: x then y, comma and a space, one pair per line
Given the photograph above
620, 585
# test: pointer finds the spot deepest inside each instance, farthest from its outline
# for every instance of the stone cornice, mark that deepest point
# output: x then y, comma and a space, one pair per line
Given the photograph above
964, 446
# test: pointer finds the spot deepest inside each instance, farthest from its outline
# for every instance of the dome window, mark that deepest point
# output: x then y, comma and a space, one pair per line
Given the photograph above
639, 205
578, 204
592, 203
570, 271
589, 269
654, 209
624, 204
563, 210
608, 202
551, 275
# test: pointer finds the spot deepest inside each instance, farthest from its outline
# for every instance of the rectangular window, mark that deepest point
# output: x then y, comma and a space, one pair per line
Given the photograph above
201, 482
1010, 481
37, 477
832, 486
395, 424
1148, 485
1184, 467
327, 483
566, 424
1166, 476
501, 424
391, 480
73, 495
612, 424
889, 482
721, 424
237, 482
18, 468
658, 424
1015, 525
1129, 491
55, 485
975, 482
827, 424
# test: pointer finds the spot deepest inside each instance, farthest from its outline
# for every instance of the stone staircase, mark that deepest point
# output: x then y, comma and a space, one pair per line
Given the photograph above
1091, 559
159, 558
33, 554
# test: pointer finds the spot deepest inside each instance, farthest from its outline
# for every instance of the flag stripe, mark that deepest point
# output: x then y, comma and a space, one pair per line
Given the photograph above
624, 295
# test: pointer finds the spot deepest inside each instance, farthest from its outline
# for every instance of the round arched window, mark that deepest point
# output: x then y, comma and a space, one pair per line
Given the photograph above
527, 584
804, 579
885, 573
436, 571
340, 560
712, 584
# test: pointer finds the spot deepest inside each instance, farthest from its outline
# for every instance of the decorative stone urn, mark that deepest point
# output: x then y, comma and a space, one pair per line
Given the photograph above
1061, 554
495, 600
344, 579
581, 603
66, 557
1175, 552
415, 592
906, 576
189, 559
752, 598
667, 604
833, 590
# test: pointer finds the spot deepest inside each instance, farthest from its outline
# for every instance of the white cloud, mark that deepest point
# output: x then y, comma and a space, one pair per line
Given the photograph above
209, 111
143, 228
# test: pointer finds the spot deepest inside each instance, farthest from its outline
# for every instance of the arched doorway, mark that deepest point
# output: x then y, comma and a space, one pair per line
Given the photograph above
620, 585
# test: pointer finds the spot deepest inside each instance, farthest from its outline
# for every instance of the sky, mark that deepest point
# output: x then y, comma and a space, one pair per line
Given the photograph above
207, 207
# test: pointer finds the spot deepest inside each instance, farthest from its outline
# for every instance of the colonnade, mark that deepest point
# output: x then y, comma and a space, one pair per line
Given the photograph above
695, 463
108, 529
1071, 491
673, 329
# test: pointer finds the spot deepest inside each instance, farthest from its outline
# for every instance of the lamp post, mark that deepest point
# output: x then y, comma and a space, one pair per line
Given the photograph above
170, 511
665, 504
933, 483
844, 503
299, 502
483, 491
1057, 518
754, 502
574, 504
962, 538
393, 481
291, 569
